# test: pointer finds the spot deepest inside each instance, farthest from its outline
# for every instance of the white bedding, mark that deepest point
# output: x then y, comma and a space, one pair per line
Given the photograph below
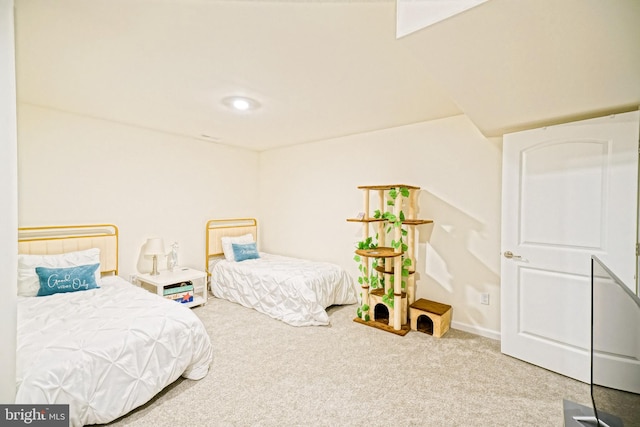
293, 290
105, 351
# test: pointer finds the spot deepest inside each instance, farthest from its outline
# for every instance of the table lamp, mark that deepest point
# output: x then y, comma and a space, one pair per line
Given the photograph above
154, 247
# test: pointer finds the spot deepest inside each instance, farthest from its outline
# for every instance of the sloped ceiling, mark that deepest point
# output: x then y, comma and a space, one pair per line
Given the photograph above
324, 69
511, 65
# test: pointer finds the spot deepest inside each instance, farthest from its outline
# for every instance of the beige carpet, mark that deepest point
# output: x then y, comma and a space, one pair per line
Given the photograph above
267, 373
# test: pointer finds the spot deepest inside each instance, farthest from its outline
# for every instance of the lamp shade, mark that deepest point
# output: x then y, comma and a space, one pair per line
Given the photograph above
154, 246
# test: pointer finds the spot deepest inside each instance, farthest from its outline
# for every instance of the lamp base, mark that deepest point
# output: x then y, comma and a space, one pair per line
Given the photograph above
154, 270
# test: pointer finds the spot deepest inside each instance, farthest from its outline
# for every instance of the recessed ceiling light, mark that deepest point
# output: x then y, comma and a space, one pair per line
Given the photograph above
241, 103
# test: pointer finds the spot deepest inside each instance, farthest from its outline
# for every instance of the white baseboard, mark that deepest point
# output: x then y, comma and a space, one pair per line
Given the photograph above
483, 332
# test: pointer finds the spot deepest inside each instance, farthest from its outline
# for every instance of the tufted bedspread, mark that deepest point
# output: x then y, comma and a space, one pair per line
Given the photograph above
105, 351
293, 290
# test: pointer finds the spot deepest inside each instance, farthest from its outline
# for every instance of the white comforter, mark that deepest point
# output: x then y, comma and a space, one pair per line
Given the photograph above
293, 290
105, 351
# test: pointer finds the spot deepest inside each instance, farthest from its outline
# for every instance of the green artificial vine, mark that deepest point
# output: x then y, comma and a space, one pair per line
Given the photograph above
364, 308
370, 279
396, 221
387, 298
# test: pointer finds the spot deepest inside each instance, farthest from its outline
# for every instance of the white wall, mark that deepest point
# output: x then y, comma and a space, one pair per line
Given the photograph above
79, 170
74, 169
308, 191
9, 211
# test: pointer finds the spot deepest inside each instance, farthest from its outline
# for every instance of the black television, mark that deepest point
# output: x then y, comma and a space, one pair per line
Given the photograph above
615, 351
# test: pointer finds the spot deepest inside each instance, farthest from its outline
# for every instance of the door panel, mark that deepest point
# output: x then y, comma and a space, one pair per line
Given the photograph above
568, 177
544, 317
569, 191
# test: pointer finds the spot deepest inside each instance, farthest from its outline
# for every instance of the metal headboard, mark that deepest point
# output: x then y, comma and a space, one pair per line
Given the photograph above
59, 239
219, 228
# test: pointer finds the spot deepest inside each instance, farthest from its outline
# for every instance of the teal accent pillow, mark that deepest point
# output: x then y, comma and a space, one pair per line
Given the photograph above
69, 279
242, 251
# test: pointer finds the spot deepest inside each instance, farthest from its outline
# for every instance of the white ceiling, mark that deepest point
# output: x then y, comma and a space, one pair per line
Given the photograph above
324, 69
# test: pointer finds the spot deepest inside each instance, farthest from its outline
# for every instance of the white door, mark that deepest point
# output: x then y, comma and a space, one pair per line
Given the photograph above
568, 191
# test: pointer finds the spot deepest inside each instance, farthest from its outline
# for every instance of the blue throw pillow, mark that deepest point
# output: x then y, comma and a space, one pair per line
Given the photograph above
242, 251
69, 279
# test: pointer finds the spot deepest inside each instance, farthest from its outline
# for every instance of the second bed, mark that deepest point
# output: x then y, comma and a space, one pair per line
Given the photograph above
295, 291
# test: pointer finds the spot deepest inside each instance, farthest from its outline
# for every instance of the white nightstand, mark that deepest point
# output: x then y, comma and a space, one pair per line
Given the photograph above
156, 284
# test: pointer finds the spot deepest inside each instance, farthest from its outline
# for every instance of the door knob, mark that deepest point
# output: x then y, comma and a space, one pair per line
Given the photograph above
510, 255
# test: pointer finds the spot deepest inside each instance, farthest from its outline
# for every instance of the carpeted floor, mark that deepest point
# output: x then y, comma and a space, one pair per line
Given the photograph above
267, 373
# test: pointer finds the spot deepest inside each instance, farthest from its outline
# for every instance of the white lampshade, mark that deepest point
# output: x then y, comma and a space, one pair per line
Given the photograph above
154, 246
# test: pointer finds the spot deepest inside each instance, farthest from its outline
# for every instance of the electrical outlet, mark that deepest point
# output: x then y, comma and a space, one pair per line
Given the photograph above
484, 298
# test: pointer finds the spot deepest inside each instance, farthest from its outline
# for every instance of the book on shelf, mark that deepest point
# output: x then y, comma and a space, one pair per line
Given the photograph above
181, 297
177, 288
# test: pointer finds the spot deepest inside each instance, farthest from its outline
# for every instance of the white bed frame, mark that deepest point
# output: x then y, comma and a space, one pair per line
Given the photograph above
51, 240
219, 228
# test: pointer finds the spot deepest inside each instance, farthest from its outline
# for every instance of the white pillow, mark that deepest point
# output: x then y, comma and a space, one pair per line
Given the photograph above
228, 241
28, 282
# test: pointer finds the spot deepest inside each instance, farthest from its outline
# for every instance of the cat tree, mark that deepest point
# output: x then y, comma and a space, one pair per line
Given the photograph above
388, 267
